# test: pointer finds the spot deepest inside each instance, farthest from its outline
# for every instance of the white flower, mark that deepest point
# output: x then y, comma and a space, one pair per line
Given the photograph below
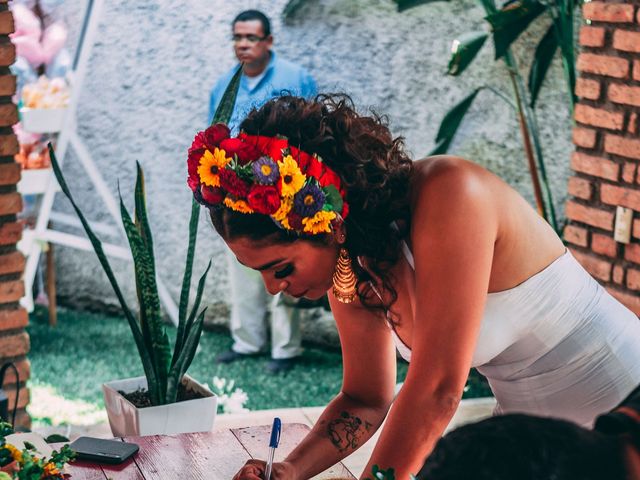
230, 399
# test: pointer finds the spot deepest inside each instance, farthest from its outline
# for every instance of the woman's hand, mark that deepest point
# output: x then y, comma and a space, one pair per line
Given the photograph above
256, 469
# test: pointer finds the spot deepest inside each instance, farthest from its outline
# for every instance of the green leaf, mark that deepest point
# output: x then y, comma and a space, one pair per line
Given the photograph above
97, 247
186, 280
333, 198
225, 108
184, 360
407, 4
545, 51
511, 20
451, 122
464, 50
291, 8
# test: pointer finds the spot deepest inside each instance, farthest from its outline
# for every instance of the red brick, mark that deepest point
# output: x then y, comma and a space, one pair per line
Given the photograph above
584, 137
24, 371
12, 263
625, 147
592, 36
629, 172
10, 173
14, 345
23, 399
600, 269
589, 215
580, 187
603, 245
596, 166
576, 235
614, 195
8, 115
618, 274
599, 117
7, 54
603, 65
608, 12
624, 94
11, 292
6, 23
12, 318
633, 279
631, 301
10, 203
10, 233
587, 88
626, 40
636, 70
8, 145
632, 252
633, 123
7, 85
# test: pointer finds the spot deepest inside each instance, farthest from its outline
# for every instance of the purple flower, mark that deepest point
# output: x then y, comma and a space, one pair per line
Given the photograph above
266, 171
308, 200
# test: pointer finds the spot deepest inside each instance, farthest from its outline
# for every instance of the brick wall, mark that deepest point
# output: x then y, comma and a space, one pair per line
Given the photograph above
607, 140
14, 341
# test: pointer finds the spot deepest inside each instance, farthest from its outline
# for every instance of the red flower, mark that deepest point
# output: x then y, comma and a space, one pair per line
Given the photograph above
345, 210
270, 146
295, 221
303, 158
329, 177
264, 199
245, 152
215, 134
212, 195
315, 168
233, 184
193, 181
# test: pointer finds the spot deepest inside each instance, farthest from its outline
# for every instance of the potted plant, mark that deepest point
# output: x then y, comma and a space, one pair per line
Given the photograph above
165, 400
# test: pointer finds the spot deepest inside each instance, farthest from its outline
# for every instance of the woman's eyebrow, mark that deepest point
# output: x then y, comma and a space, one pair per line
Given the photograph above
266, 265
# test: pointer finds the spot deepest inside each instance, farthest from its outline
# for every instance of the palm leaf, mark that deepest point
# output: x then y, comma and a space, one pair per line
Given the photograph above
464, 50
545, 51
145, 358
407, 4
451, 122
228, 101
511, 20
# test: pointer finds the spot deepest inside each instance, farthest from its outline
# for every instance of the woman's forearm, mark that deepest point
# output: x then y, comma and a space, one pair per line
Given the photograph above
344, 426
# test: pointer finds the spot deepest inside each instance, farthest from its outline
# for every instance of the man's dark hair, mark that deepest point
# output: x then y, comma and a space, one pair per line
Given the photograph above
524, 447
249, 15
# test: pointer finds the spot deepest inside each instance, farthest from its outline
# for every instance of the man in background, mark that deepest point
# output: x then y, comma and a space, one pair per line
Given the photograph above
264, 76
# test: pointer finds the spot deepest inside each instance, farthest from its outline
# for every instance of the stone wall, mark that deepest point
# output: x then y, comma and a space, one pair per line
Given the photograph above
14, 341
605, 163
154, 63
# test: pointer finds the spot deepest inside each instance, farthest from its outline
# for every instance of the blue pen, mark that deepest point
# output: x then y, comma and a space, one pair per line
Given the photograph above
273, 444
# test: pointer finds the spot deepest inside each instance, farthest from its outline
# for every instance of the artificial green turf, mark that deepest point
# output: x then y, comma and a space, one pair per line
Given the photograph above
85, 350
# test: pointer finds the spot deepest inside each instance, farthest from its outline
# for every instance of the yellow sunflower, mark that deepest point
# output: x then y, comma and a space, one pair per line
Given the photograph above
210, 165
15, 453
319, 223
286, 204
50, 470
291, 176
238, 205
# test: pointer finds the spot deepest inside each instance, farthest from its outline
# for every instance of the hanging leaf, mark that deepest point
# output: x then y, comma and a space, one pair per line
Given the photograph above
407, 4
511, 20
464, 50
291, 8
545, 51
228, 101
451, 122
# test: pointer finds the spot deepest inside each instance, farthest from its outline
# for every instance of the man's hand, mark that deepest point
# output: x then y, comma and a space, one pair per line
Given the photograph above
255, 470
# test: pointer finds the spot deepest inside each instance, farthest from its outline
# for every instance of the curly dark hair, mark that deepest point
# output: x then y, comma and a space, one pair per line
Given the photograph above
373, 167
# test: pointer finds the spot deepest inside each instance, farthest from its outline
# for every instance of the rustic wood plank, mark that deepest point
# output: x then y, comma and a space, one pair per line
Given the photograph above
84, 471
256, 441
80, 470
206, 456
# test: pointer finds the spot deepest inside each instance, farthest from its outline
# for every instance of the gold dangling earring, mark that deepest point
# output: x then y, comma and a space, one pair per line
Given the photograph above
344, 280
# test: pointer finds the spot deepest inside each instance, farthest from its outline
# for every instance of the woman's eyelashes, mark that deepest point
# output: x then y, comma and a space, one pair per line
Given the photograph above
283, 272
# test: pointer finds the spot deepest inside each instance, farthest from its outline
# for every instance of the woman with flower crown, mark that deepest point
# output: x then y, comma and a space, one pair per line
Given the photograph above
438, 258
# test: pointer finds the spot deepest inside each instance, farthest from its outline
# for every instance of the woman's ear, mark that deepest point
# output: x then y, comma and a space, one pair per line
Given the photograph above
339, 232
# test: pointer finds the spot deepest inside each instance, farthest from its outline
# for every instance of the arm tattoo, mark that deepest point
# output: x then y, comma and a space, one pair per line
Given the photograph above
345, 432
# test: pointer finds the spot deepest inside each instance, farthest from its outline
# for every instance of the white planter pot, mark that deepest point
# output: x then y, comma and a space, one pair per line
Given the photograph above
188, 416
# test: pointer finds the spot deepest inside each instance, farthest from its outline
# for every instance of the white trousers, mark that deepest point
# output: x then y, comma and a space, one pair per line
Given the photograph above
250, 308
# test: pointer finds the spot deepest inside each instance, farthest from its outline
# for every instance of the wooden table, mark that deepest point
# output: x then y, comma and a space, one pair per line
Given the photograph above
214, 455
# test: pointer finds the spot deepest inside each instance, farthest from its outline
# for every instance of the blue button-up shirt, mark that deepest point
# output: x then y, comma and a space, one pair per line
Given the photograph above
281, 77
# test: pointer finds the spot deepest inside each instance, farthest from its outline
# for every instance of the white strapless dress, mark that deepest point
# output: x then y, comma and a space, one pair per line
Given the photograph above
557, 345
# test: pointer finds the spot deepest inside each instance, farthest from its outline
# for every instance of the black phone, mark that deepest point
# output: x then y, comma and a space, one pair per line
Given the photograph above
101, 450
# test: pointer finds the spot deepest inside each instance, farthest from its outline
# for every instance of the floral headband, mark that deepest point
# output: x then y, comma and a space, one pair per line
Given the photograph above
257, 174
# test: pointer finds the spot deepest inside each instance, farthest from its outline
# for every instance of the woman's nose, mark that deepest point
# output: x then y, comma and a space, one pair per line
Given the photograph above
274, 285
